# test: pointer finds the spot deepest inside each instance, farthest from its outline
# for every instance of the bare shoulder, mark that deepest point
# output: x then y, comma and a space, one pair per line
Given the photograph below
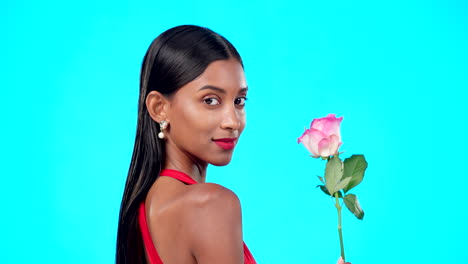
211, 203
214, 224
211, 194
203, 199
202, 221
199, 201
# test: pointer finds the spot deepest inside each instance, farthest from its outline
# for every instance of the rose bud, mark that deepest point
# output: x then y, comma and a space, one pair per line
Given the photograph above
323, 139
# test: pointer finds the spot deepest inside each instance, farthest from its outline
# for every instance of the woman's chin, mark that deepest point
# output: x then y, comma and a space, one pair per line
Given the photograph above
221, 161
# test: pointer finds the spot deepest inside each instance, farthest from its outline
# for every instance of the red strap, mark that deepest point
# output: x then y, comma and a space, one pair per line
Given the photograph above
178, 175
147, 241
248, 258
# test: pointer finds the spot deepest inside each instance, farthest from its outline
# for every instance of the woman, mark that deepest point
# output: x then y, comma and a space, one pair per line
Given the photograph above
190, 114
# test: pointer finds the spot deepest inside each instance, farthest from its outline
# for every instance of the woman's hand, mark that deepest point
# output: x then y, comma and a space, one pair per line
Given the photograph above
340, 261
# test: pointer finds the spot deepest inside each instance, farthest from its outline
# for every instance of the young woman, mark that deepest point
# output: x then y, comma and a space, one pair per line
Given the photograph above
190, 114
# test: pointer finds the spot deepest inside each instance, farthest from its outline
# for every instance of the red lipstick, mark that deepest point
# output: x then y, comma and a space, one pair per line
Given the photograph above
225, 143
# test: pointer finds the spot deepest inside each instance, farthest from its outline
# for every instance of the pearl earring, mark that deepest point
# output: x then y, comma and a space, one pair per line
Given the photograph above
162, 126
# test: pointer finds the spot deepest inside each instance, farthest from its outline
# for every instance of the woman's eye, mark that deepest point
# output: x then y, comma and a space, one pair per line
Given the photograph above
240, 101
211, 101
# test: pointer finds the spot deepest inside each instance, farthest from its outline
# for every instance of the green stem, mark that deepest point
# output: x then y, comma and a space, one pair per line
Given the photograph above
338, 207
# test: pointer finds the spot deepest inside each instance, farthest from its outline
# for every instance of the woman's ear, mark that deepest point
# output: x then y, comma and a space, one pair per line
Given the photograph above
157, 106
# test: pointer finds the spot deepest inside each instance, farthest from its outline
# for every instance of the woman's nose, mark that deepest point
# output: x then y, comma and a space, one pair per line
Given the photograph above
231, 118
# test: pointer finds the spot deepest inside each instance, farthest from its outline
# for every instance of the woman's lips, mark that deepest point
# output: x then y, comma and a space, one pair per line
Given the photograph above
225, 143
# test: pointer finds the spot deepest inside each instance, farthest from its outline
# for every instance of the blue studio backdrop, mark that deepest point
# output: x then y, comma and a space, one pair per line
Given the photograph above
396, 70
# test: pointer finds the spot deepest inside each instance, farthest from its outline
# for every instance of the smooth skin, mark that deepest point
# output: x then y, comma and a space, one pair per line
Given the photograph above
199, 223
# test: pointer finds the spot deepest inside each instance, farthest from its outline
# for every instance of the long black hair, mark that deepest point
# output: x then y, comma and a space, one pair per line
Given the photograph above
174, 58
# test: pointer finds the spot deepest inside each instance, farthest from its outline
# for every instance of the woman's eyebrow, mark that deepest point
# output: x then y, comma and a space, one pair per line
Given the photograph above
211, 87
221, 90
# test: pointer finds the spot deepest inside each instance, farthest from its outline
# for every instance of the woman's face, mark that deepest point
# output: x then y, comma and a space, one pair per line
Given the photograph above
206, 116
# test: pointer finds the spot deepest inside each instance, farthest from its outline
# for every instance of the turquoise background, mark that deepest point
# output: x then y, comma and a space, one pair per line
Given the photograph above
396, 70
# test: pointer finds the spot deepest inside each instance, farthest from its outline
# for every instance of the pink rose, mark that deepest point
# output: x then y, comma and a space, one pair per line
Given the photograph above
323, 138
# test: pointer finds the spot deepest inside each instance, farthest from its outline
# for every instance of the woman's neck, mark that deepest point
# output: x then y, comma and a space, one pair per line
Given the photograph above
196, 170
179, 160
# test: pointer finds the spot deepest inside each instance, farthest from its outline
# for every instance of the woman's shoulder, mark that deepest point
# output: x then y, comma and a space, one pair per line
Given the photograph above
207, 201
203, 199
212, 215
195, 218
209, 194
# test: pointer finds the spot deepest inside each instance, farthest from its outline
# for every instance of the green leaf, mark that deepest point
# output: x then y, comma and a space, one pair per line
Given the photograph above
333, 174
343, 183
354, 167
352, 204
321, 179
324, 189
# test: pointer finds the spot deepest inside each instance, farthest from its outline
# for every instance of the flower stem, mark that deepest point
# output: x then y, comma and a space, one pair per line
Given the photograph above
338, 207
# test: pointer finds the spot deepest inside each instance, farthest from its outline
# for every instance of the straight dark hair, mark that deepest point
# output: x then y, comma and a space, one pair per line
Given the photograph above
174, 58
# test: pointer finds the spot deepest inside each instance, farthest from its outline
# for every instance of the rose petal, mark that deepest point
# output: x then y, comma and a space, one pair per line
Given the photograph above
324, 147
329, 125
311, 138
334, 144
305, 138
315, 137
300, 139
319, 123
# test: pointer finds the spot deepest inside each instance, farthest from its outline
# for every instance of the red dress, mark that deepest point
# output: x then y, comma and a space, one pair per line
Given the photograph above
148, 242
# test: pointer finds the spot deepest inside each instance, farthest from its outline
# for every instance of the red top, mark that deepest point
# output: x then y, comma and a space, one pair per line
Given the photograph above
148, 242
